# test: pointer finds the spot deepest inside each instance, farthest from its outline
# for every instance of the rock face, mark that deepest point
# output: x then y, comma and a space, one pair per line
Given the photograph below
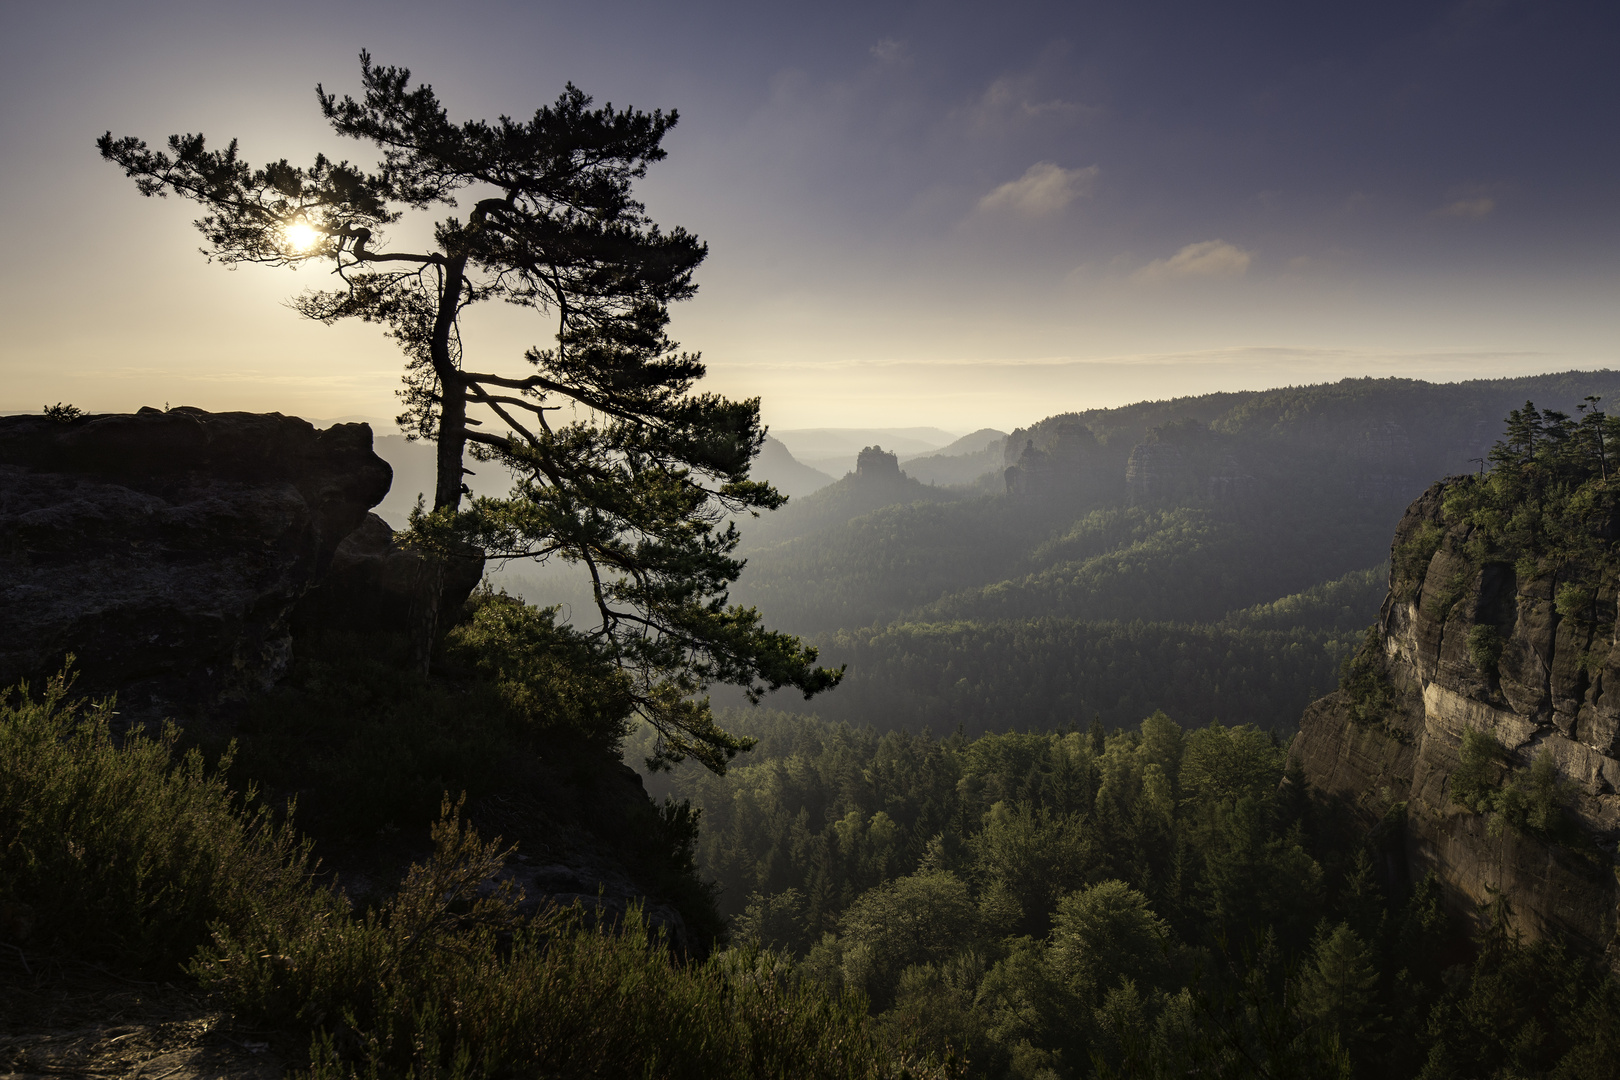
165, 549
876, 463
374, 585
1554, 690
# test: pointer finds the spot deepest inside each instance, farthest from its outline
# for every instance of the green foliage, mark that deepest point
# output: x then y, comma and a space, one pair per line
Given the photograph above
1550, 498
445, 979
1105, 936
1337, 988
1047, 673
1213, 923
917, 919
120, 851
1410, 563
1485, 644
618, 464
1222, 765
1574, 601
1533, 800
63, 414
1524, 1011
375, 745
1027, 858
1476, 780
553, 677
1365, 684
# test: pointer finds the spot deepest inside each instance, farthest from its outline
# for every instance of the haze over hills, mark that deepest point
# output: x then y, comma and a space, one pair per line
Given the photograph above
1117, 545
833, 450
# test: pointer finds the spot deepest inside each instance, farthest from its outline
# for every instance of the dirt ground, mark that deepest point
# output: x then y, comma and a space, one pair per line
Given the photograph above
66, 1018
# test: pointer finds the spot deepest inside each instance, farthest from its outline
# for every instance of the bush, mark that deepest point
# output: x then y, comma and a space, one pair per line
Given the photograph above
1485, 648
1365, 683
1477, 777
1411, 560
372, 745
122, 852
1533, 800
446, 980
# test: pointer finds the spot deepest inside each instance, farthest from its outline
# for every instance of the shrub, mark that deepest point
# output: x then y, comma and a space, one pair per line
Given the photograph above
124, 852
372, 745
1533, 800
1485, 648
1365, 683
446, 980
1574, 601
1411, 560
1475, 780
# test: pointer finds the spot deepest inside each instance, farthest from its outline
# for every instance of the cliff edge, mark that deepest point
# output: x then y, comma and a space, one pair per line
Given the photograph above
1480, 722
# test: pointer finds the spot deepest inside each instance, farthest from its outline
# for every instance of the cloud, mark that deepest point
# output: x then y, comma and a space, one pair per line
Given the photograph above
888, 50
1045, 188
1469, 208
1014, 100
1211, 258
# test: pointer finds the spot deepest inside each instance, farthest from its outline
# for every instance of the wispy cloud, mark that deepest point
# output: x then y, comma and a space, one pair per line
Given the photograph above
1469, 208
1210, 258
1045, 188
1015, 99
888, 50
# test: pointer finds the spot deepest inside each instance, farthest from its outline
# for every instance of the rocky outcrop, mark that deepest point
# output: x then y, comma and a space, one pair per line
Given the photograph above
877, 464
1463, 645
1070, 464
166, 548
376, 585
1158, 471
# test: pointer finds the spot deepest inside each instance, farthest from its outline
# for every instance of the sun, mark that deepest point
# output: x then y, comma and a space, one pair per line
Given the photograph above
301, 236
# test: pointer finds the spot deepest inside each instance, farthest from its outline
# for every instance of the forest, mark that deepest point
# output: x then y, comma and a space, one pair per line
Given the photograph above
1152, 901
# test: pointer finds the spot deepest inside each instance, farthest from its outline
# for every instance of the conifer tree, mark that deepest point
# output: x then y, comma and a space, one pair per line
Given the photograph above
620, 466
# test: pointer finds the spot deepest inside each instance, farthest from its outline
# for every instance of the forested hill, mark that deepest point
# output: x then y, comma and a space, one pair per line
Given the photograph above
1100, 569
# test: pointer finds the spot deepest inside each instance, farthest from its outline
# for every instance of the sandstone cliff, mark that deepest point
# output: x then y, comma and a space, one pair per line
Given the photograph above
166, 549
1466, 645
184, 557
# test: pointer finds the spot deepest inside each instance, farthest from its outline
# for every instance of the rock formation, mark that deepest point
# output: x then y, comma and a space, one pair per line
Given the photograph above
1184, 460
176, 553
374, 584
1462, 646
877, 464
165, 549
1069, 463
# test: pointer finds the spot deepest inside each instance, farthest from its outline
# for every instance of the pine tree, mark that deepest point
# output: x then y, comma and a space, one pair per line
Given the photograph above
619, 465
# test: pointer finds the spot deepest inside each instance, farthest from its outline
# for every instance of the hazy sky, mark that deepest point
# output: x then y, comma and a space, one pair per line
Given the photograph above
949, 214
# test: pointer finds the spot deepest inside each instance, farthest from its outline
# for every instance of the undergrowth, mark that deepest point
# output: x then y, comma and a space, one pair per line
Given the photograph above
127, 851
124, 850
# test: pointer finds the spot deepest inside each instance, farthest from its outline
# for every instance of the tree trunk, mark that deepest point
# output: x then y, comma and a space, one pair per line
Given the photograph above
452, 391
452, 443
452, 440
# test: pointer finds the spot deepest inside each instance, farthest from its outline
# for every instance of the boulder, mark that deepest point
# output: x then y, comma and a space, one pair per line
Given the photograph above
165, 549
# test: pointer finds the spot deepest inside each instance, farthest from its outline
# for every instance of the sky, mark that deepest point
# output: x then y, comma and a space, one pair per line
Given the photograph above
950, 214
